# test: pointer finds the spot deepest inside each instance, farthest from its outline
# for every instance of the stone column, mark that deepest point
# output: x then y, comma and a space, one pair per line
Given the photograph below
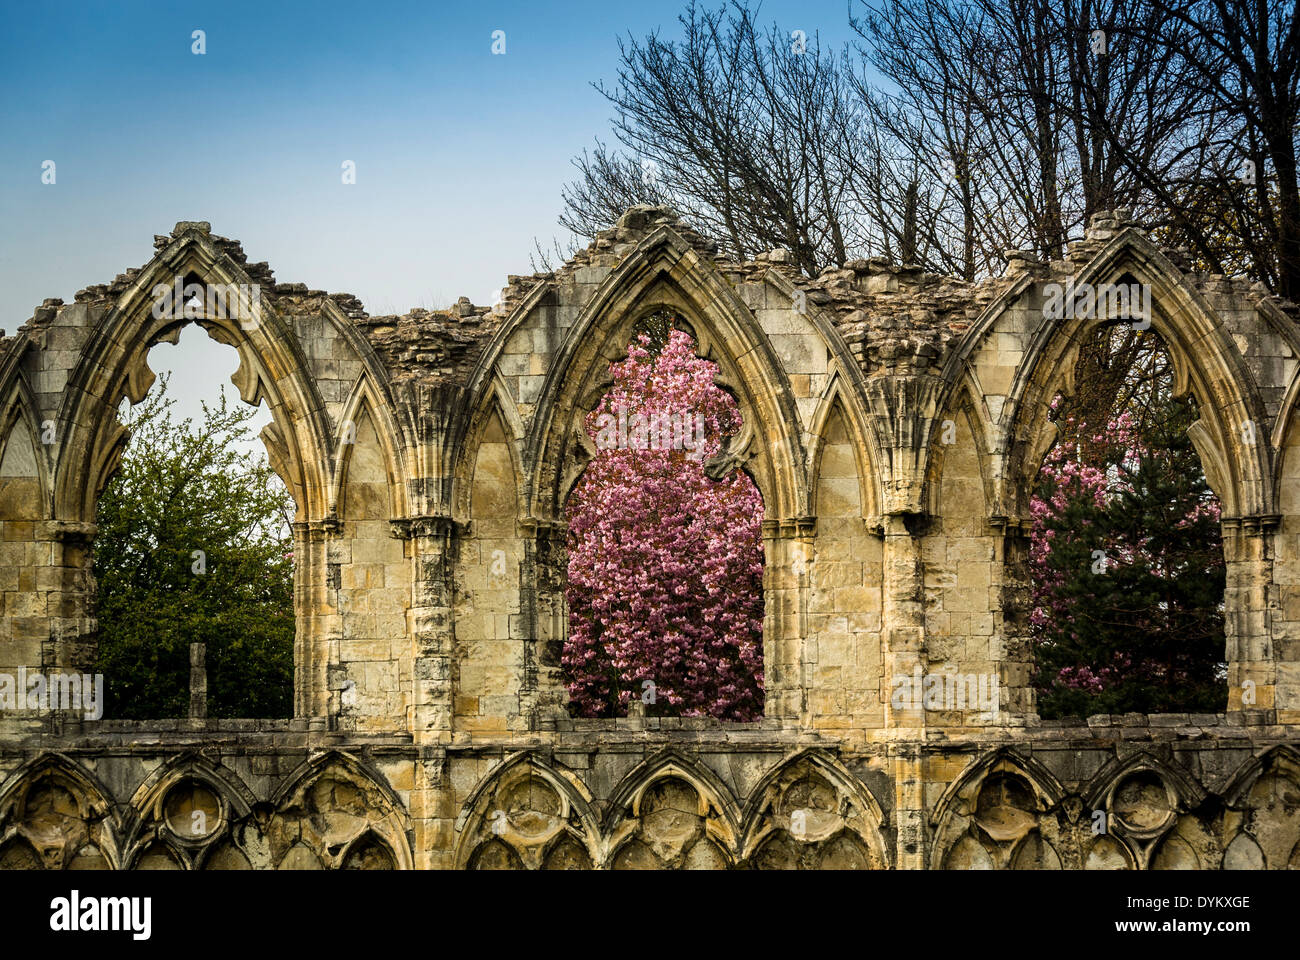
433, 810
788, 662
1247, 598
316, 622
913, 841
432, 542
903, 619
63, 580
1013, 647
542, 624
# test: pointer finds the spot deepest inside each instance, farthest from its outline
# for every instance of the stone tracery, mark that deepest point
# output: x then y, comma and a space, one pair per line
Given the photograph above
890, 545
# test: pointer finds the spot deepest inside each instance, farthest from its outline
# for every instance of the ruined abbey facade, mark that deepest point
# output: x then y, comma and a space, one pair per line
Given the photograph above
894, 422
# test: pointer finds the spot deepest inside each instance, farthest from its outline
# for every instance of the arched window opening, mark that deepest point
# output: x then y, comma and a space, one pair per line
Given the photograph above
1126, 551
194, 546
665, 571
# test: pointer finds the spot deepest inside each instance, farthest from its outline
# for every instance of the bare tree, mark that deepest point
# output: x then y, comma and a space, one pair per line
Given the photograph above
749, 133
954, 130
1238, 205
929, 122
1018, 95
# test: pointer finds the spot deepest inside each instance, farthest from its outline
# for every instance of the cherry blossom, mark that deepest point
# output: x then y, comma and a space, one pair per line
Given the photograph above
665, 565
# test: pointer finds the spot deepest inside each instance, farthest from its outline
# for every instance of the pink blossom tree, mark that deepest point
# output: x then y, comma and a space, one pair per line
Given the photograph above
665, 565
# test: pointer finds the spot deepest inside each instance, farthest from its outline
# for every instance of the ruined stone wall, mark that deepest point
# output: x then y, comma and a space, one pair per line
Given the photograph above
893, 422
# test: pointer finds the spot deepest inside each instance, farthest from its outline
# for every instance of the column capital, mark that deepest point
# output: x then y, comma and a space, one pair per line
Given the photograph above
1254, 524
1010, 526
789, 528
318, 530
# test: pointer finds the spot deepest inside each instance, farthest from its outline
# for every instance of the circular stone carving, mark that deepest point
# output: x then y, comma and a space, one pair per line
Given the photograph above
809, 810
1141, 803
192, 811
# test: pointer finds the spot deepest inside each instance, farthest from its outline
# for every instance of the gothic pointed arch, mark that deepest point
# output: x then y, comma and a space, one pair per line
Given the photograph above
1183, 787
332, 800
967, 414
533, 808
186, 808
364, 403
1206, 363
1048, 790
149, 796
22, 454
846, 384
495, 413
667, 272
369, 851
837, 400
1147, 806
62, 812
992, 809
1284, 326
113, 364
810, 798
86, 783
1280, 758
671, 810
1262, 795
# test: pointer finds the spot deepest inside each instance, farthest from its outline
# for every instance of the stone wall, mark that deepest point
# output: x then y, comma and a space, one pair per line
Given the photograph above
894, 422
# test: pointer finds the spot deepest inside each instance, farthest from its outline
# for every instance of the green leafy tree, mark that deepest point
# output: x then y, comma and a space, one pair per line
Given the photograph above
194, 545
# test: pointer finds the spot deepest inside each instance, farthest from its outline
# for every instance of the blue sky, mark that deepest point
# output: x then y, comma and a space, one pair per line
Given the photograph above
460, 155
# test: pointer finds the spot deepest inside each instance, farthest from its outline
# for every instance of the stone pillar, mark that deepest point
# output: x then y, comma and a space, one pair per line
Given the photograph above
542, 624
913, 842
788, 662
64, 582
1252, 669
1013, 646
433, 810
316, 622
431, 546
432, 543
198, 681
903, 619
